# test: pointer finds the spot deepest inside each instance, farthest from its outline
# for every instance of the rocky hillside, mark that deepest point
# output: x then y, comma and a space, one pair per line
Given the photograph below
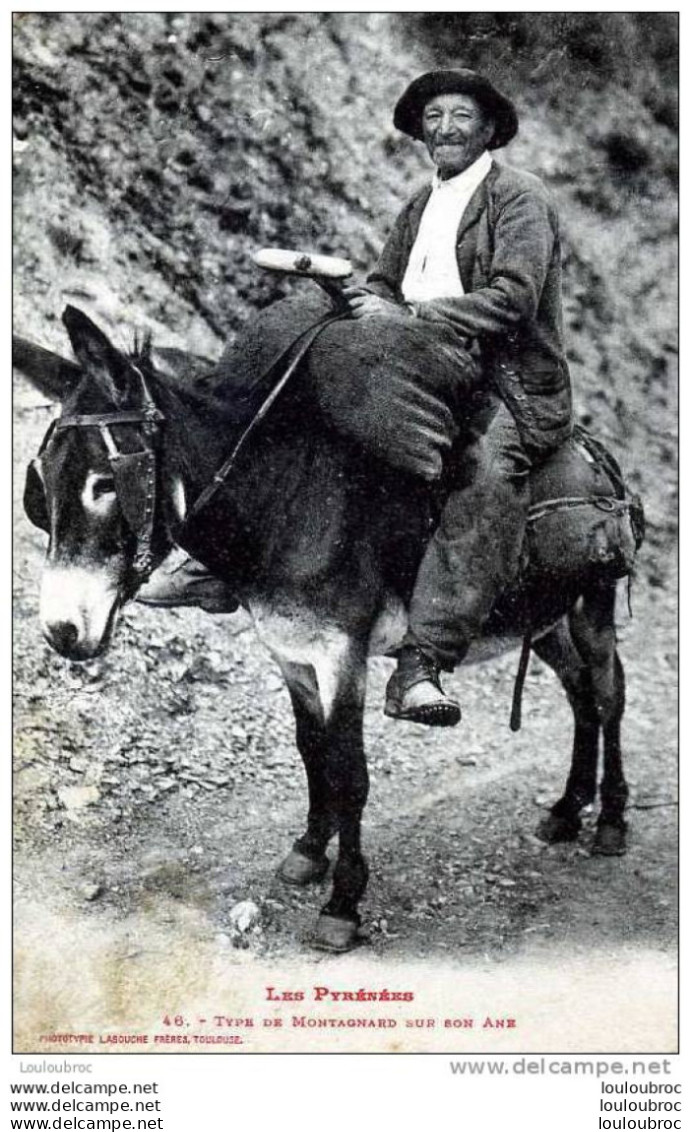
155, 152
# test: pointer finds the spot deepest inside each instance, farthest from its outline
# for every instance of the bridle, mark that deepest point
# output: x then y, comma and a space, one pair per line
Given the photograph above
135, 474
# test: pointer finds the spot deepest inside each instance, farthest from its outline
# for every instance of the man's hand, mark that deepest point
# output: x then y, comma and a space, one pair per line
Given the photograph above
363, 304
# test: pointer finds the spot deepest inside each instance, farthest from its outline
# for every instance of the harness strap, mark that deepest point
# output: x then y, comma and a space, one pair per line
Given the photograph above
294, 355
107, 438
602, 457
134, 473
46, 439
144, 415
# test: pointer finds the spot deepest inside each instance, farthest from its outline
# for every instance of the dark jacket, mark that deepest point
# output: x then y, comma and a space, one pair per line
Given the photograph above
509, 259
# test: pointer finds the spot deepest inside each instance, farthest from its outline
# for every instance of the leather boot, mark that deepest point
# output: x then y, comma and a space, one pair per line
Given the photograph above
414, 692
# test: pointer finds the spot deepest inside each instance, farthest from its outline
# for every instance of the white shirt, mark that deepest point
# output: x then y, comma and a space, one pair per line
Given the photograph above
432, 271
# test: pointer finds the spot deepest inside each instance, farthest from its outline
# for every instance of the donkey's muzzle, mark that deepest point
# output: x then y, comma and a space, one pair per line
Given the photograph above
68, 642
79, 609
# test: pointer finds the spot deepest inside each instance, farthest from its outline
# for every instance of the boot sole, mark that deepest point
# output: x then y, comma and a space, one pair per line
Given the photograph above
431, 715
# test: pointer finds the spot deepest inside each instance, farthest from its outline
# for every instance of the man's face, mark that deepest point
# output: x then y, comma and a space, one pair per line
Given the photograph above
456, 130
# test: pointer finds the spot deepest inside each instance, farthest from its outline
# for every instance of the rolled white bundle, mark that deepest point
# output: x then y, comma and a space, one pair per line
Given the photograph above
303, 263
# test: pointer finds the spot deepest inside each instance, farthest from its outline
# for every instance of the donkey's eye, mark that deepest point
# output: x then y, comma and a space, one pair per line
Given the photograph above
102, 485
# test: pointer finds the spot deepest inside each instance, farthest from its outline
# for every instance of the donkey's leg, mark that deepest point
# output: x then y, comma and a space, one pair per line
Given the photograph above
593, 630
307, 860
342, 692
557, 649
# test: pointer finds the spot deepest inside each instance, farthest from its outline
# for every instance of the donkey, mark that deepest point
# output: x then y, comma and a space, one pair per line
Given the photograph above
320, 543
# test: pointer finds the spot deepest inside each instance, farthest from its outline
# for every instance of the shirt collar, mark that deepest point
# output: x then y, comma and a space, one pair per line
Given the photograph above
470, 178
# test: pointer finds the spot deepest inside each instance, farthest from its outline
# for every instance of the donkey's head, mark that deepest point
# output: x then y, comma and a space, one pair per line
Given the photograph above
93, 488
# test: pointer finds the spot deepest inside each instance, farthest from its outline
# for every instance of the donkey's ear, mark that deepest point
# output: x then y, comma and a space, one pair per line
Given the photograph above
52, 375
97, 356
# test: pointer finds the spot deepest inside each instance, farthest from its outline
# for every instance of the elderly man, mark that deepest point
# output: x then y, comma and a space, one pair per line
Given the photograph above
477, 250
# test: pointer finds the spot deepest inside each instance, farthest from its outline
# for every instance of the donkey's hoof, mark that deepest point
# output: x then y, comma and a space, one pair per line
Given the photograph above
609, 840
334, 934
299, 869
554, 829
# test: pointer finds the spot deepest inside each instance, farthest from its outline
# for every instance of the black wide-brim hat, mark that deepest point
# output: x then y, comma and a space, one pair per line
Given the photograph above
407, 115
